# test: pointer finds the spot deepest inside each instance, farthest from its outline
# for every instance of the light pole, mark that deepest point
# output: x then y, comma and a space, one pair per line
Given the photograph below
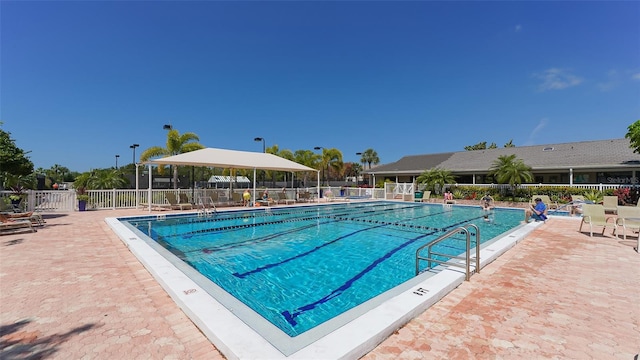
362, 162
321, 148
134, 146
117, 156
169, 127
264, 149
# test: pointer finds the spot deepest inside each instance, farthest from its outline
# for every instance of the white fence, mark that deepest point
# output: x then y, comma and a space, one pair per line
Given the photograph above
400, 190
66, 200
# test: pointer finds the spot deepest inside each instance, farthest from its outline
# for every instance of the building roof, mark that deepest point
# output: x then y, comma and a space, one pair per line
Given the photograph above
611, 154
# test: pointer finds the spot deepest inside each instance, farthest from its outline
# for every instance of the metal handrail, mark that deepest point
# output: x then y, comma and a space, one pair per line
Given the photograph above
467, 257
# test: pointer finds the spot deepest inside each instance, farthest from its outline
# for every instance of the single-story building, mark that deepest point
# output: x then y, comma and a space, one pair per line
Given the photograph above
585, 162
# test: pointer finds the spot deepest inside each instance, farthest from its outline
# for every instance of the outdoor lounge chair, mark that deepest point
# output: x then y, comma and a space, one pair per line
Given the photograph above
593, 214
237, 199
284, 199
329, 196
175, 205
10, 226
425, 197
267, 202
610, 204
304, 196
35, 218
628, 218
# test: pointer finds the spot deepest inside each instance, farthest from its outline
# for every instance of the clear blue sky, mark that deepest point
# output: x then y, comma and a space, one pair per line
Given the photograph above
81, 81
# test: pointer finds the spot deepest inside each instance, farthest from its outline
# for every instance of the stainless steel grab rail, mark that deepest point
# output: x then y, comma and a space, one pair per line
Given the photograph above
467, 257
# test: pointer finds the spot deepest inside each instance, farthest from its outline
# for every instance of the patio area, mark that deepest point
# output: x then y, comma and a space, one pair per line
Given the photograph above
73, 290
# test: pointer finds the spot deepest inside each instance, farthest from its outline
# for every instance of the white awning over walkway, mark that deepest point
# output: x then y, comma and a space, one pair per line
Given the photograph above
228, 159
232, 159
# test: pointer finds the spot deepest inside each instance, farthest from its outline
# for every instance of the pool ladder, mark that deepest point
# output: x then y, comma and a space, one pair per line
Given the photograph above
466, 257
204, 206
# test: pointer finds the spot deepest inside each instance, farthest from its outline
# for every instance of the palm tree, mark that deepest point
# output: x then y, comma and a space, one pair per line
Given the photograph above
509, 169
370, 156
286, 154
176, 144
435, 179
331, 159
306, 158
100, 179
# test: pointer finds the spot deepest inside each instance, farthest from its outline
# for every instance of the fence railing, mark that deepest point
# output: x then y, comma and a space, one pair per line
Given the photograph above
66, 200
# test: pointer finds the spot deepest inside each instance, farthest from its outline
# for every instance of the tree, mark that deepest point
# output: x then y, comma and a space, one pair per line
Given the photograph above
633, 134
509, 144
331, 160
307, 158
100, 179
286, 154
369, 157
509, 169
478, 146
14, 164
435, 178
176, 144
483, 146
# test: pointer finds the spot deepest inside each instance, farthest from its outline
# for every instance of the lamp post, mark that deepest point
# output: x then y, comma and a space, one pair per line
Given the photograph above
264, 149
117, 156
169, 127
321, 148
362, 162
134, 146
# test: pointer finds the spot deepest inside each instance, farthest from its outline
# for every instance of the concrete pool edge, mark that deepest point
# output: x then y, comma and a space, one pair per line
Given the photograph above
236, 340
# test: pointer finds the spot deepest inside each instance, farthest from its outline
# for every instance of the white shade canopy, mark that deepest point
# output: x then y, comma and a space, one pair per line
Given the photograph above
234, 159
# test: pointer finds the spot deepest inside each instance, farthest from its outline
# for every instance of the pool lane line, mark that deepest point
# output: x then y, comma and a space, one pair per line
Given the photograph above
330, 218
243, 226
312, 250
333, 218
291, 315
330, 242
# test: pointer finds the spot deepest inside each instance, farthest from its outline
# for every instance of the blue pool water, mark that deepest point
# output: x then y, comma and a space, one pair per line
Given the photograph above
299, 267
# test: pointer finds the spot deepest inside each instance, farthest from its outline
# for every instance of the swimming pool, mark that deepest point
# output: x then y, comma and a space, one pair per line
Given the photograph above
310, 270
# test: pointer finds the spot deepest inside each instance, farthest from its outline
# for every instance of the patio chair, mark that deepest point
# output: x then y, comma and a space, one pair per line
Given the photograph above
35, 218
329, 197
10, 226
628, 218
237, 199
284, 199
593, 214
610, 204
304, 196
267, 202
425, 197
175, 204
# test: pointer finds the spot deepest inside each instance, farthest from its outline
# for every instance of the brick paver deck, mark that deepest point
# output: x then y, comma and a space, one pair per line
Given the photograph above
74, 291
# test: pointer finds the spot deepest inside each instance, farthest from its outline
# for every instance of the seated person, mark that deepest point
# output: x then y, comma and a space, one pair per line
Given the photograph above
265, 200
448, 197
536, 212
487, 202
